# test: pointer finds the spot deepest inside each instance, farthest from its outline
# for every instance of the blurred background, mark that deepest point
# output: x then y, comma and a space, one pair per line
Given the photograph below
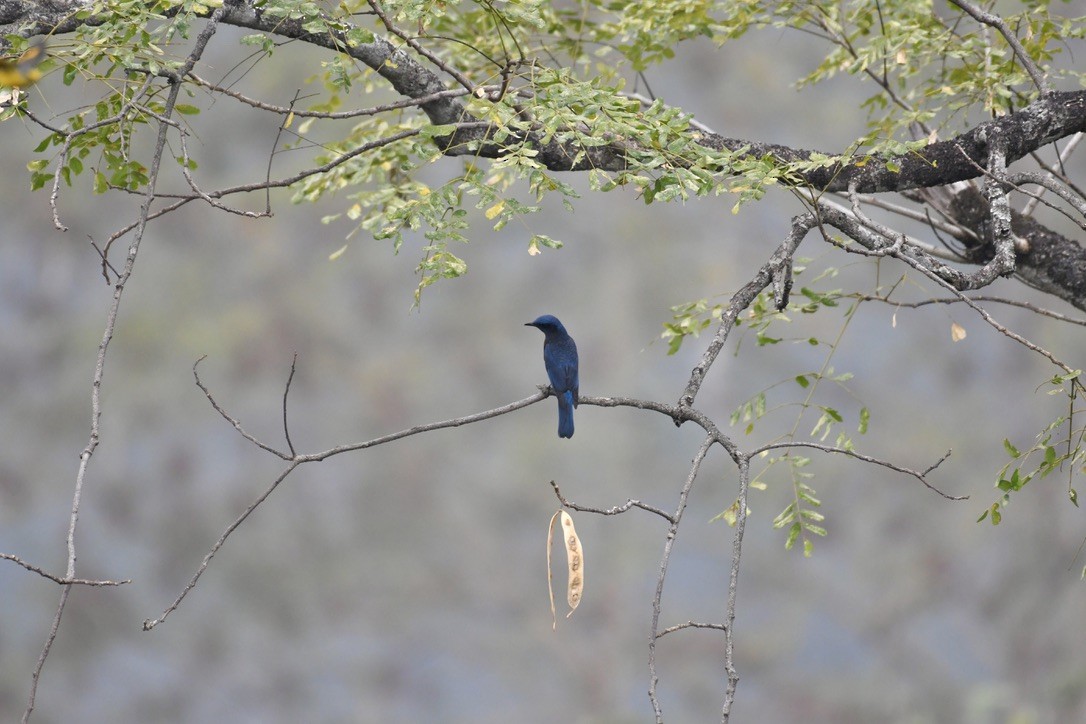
407, 583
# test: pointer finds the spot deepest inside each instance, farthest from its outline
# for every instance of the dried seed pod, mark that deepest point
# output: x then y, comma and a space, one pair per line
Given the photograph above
574, 564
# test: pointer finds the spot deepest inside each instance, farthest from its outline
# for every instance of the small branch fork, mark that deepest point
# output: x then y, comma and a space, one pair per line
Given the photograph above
64, 581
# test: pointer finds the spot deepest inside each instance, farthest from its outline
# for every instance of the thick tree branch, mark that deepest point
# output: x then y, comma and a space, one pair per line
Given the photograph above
1054, 116
1049, 261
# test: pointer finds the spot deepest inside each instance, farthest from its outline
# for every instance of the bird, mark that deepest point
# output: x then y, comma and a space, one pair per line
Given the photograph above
23, 71
560, 359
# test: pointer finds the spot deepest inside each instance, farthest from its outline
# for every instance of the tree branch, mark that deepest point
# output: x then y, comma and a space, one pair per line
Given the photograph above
58, 579
1054, 116
107, 335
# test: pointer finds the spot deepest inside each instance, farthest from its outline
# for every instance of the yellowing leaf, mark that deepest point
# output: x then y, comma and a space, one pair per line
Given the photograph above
495, 210
289, 121
957, 332
337, 253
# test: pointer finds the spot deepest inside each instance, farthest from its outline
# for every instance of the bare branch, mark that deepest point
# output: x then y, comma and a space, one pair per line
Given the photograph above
867, 459
991, 320
669, 541
1062, 158
978, 299
149, 624
691, 624
923, 217
296, 460
1048, 183
286, 391
778, 266
59, 579
234, 422
733, 587
616, 510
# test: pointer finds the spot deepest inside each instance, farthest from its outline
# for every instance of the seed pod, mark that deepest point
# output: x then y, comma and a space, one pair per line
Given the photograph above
574, 564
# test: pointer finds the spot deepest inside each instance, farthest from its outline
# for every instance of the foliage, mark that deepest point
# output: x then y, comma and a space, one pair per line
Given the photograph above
565, 71
1046, 456
544, 71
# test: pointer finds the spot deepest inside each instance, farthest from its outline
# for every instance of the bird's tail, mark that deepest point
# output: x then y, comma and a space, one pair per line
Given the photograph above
565, 414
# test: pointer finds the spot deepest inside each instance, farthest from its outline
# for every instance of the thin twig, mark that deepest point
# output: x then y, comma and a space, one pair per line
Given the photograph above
978, 298
915, 215
733, 587
669, 541
216, 204
149, 624
286, 391
691, 624
59, 579
616, 510
336, 115
678, 413
1033, 347
297, 460
779, 265
1061, 159
1049, 183
867, 459
233, 421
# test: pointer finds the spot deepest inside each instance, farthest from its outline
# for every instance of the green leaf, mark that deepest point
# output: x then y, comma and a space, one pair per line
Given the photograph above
793, 534
785, 517
359, 36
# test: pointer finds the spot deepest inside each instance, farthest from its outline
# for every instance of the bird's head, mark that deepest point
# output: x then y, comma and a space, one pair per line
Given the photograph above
547, 324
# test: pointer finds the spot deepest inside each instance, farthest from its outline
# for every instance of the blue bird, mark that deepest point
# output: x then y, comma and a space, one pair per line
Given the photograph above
560, 358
